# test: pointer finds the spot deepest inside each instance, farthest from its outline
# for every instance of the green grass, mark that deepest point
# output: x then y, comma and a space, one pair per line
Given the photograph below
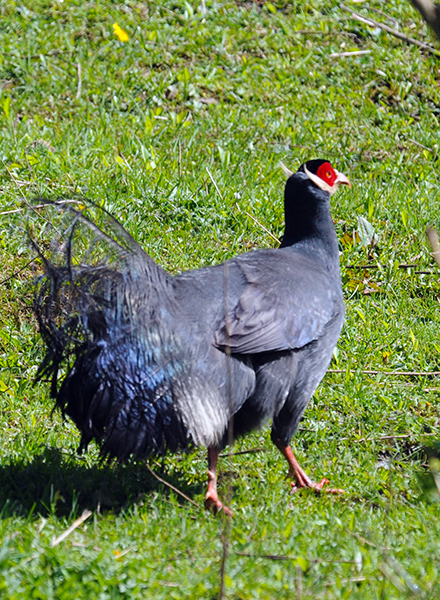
231, 92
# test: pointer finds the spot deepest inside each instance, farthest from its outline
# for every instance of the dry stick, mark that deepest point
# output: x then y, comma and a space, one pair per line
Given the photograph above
395, 581
373, 23
16, 210
353, 53
390, 559
86, 514
3, 281
123, 553
34, 56
323, 33
401, 266
172, 487
213, 181
285, 557
389, 373
21, 182
245, 212
12, 176
357, 579
251, 451
364, 540
261, 225
385, 437
78, 91
34, 207
380, 12
421, 145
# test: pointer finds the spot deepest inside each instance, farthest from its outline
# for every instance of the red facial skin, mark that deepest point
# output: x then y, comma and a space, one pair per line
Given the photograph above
327, 173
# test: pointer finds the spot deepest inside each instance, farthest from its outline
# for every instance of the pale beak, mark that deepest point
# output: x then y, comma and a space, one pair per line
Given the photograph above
341, 178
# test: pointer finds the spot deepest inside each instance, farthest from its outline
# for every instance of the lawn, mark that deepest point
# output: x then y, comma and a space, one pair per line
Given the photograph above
178, 131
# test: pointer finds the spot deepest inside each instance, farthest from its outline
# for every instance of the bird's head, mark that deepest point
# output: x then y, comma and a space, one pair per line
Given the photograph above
306, 202
322, 174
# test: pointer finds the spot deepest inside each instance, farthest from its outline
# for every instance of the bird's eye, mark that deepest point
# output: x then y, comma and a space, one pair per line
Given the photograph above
327, 173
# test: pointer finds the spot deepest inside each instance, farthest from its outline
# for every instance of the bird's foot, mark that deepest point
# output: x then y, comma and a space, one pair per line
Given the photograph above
300, 477
213, 503
316, 487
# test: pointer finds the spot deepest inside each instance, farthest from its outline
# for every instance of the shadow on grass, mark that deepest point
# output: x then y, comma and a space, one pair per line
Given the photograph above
52, 483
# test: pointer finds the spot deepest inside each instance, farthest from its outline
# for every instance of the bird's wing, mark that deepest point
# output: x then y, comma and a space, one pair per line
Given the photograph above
279, 309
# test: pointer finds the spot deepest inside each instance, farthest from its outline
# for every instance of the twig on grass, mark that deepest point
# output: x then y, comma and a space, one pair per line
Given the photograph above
383, 14
243, 211
3, 281
251, 451
34, 56
34, 207
14, 179
213, 181
395, 32
324, 33
348, 54
364, 540
78, 91
286, 557
77, 523
395, 581
421, 145
262, 226
401, 266
119, 555
172, 487
399, 436
395, 573
388, 373
357, 579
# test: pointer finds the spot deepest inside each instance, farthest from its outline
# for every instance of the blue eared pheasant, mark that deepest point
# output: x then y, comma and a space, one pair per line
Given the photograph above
146, 362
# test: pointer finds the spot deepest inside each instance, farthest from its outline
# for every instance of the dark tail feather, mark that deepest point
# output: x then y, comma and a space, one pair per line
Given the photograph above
103, 306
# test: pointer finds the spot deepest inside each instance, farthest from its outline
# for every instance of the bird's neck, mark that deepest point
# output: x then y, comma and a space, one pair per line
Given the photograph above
312, 227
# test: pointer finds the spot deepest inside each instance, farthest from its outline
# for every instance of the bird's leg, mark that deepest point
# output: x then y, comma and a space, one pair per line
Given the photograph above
302, 480
212, 501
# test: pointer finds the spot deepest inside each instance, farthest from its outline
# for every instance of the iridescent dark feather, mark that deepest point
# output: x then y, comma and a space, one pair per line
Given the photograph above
100, 323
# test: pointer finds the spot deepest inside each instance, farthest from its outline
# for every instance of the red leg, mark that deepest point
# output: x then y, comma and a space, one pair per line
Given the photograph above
302, 480
212, 501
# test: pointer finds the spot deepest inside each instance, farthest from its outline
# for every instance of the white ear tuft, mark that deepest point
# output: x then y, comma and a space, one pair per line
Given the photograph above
287, 172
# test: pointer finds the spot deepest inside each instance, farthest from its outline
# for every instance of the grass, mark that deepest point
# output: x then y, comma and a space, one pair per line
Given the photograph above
135, 126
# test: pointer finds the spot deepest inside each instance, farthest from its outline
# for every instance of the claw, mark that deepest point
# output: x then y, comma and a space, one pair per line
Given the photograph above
316, 487
212, 501
302, 480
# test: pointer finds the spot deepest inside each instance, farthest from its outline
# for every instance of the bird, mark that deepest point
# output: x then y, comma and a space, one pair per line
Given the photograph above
146, 362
